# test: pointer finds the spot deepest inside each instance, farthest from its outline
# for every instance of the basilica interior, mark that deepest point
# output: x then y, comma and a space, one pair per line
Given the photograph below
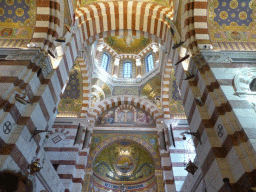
136, 96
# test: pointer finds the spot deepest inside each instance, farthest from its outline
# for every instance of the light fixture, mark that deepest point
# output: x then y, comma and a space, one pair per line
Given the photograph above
37, 132
182, 59
191, 167
189, 76
21, 99
199, 101
68, 28
51, 53
177, 45
35, 166
195, 134
61, 39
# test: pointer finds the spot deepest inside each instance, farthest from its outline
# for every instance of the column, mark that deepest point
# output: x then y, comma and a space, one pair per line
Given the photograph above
138, 66
116, 66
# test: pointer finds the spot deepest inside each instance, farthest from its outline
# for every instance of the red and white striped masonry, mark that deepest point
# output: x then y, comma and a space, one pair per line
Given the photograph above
194, 25
166, 163
86, 85
96, 18
71, 168
115, 101
220, 157
47, 24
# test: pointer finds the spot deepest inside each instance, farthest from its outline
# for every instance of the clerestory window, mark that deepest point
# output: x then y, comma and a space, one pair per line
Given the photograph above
149, 62
105, 62
127, 70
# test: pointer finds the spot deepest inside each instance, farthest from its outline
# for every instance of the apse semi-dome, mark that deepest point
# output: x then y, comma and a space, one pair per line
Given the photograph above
124, 161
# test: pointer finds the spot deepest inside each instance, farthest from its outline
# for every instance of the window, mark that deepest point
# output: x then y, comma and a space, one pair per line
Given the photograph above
127, 70
105, 61
149, 62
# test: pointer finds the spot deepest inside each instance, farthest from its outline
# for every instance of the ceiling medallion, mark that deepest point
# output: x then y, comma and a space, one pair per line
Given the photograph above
124, 165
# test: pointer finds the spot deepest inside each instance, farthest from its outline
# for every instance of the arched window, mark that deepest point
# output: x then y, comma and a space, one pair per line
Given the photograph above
127, 70
105, 62
149, 62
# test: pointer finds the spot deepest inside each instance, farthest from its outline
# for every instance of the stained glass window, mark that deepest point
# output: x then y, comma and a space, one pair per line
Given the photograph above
127, 70
149, 62
105, 61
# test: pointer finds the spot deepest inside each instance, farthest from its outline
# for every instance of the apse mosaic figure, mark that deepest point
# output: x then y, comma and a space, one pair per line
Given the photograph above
125, 115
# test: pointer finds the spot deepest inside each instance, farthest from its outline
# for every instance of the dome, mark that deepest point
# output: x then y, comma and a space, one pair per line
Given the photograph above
124, 162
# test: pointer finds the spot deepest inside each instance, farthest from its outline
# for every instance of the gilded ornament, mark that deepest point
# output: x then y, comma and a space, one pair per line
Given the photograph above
233, 4
224, 4
19, 12
243, 15
252, 4
243, 4
6, 32
233, 24
9, 2
9, 20
1, 11
236, 35
233, 15
215, 4
223, 15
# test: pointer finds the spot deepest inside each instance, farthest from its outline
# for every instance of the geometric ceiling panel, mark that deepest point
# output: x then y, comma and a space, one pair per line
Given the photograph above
232, 20
17, 19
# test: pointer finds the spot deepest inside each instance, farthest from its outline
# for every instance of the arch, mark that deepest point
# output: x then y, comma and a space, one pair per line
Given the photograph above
116, 101
150, 149
148, 17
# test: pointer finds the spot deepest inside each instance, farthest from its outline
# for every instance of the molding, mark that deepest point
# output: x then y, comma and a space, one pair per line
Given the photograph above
34, 55
229, 57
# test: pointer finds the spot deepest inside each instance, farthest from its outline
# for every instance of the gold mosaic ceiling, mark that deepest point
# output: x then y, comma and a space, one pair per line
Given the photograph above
17, 19
152, 88
232, 20
127, 44
124, 161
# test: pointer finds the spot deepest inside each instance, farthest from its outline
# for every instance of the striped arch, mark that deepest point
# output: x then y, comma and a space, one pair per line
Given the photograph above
115, 101
194, 24
101, 17
47, 23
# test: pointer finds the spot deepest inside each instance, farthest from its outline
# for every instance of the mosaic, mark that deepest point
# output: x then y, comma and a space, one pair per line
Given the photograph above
176, 105
147, 139
126, 90
124, 161
232, 20
125, 116
71, 100
152, 90
67, 16
17, 19
97, 185
128, 44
